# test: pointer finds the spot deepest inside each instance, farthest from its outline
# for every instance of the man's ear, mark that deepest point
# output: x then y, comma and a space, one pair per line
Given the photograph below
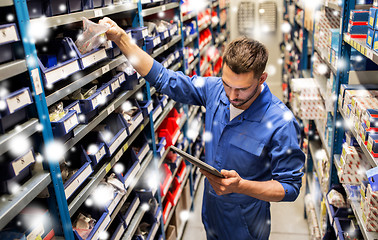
263, 78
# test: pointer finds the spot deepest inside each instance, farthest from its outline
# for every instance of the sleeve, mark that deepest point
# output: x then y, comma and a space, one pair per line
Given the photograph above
288, 159
178, 86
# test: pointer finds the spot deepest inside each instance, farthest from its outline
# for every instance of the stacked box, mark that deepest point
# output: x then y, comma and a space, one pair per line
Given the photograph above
326, 20
372, 34
369, 206
353, 165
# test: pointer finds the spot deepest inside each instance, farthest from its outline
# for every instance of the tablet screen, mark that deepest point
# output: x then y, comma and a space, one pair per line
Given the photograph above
197, 162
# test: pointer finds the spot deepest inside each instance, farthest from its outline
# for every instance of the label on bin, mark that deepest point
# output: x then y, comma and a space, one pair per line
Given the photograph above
8, 34
157, 112
100, 153
117, 142
121, 78
132, 211
76, 107
157, 41
36, 81
144, 33
135, 123
166, 34
70, 123
21, 163
114, 203
105, 92
62, 72
76, 182
144, 152
115, 85
131, 176
93, 58
95, 101
37, 232
18, 101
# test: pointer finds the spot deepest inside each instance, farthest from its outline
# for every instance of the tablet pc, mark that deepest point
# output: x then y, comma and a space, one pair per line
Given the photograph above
197, 162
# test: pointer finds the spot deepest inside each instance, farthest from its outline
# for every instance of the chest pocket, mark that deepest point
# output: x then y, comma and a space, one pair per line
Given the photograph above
245, 156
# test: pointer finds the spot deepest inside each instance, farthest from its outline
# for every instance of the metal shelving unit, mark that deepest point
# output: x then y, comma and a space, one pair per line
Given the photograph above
324, 58
189, 16
203, 27
11, 205
162, 8
190, 39
8, 70
100, 174
360, 45
89, 14
131, 229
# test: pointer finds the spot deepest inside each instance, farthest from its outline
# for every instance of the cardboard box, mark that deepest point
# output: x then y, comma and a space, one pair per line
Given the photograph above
372, 17
370, 38
171, 233
359, 15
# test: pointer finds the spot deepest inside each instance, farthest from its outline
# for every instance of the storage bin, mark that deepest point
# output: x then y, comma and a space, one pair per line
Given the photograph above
132, 122
15, 110
87, 4
117, 228
129, 208
167, 204
75, 5
98, 3
115, 86
140, 148
113, 51
167, 179
113, 134
131, 168
153, 223
112, 204
130, 81
89, 107
56, 7
90, 58
102, 221
160, 150
94, 151
170, 130
175, 191
175, 115
74, 106
139, 34
59, 63
145, 194
9, 34
15, 170
343, 225
181, 172
63, 127
151, 43
7, 54
158, 109
76, 161
146, 107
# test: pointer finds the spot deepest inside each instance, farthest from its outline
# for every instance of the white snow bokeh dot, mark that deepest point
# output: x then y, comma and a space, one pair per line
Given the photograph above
285, 27
207, 136
102, 195
119, 168
139, 96
104, 235
92, 149
10, 17
288, 116
271, 70
127, 106
269, 124
19, 145
55, 151
145, 207
199, 82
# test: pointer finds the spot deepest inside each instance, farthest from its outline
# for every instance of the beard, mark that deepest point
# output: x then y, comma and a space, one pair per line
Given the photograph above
241, 102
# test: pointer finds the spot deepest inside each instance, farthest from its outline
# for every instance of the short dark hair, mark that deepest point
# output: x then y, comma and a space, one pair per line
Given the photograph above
244, 55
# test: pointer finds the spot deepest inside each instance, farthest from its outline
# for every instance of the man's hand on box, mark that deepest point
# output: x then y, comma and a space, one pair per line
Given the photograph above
221, 186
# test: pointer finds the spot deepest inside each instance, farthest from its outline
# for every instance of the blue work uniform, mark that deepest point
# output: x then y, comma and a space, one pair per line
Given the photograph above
260, 144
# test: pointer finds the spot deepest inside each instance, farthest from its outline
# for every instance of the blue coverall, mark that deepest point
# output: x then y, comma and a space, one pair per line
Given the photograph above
260, 144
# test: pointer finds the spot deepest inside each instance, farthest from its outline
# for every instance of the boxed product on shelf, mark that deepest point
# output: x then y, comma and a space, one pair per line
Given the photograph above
129, 208
357, 29
15, 109
140, 148
130, 167
372, 144
31, 223
371, 40
96, 220
372, 17
113, 132
375, 41
14, 170
131, 114
59, 61
75, 170
359, 15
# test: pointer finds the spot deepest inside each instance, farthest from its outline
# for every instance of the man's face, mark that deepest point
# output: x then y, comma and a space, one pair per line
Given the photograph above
241, 89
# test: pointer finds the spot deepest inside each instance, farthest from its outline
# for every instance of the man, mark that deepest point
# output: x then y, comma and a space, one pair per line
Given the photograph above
254, 136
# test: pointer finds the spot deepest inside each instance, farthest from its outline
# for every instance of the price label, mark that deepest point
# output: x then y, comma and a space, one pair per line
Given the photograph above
110, 109
125, 147
163, 8
119, 155
105, 69
98, 13
165, 47
108, 167
369, 53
